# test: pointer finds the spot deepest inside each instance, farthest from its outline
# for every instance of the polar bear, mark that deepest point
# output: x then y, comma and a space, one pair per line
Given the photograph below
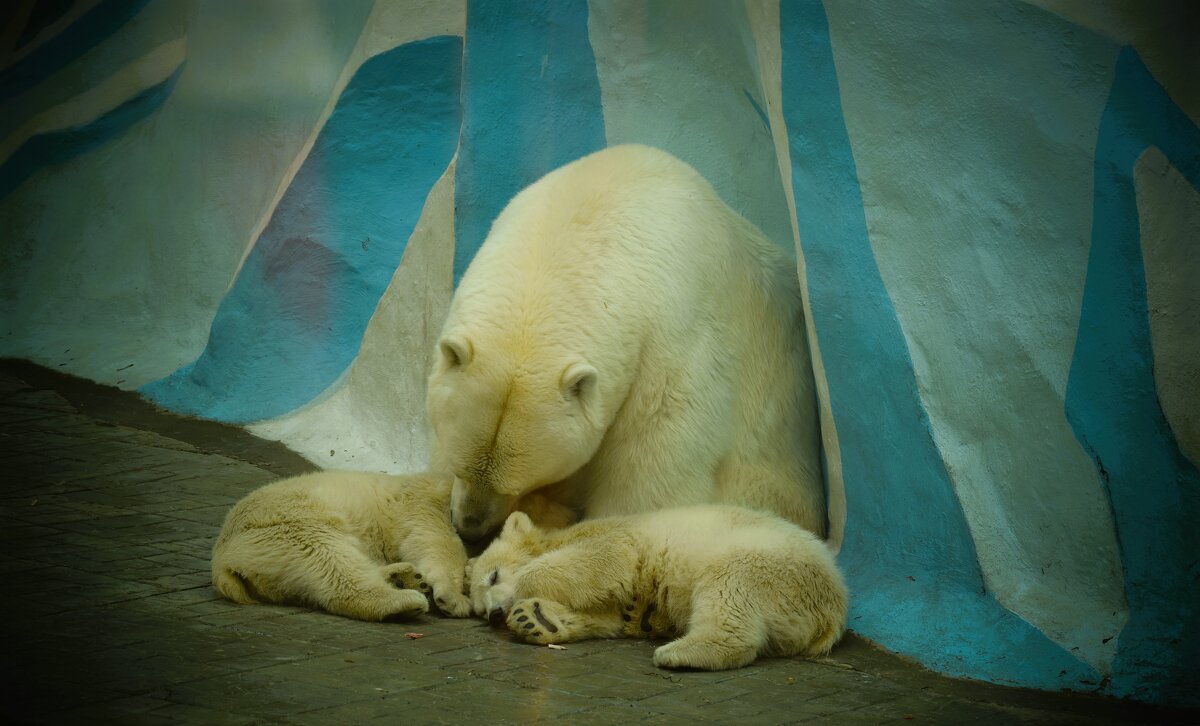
733, 583
623, 342
366, 546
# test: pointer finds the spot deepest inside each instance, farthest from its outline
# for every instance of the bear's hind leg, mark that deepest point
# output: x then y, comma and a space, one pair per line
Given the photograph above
542, 621
705, 652
721, 635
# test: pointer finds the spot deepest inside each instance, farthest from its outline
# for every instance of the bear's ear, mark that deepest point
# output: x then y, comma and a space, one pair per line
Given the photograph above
517, 523
456, 351
579, 382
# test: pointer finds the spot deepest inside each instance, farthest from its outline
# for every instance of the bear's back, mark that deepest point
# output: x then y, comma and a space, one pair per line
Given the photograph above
629, 261
720, 528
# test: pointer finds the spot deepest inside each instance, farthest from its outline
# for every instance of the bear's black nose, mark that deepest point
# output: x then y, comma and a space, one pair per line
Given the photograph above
496, 618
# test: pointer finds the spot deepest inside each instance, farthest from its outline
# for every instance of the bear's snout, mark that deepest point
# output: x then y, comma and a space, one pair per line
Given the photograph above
471, 528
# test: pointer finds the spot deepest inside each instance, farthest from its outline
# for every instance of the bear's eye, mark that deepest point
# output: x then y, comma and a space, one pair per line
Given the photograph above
494, 577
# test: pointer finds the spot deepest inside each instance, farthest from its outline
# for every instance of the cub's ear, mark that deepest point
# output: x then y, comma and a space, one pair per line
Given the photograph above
517, 523
579, 381
456, 352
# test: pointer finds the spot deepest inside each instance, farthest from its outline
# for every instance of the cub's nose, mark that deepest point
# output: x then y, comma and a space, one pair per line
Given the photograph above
496, 618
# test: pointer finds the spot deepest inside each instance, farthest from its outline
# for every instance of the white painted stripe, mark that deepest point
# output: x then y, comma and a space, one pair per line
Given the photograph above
764, 24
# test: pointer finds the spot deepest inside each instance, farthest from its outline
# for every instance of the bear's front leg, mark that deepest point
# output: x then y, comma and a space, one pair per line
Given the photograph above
439, 555
541, 621
405, 576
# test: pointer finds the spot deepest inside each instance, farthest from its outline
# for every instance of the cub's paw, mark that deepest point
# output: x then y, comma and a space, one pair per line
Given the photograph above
450, 603
697, 654
401, 605
405, 576
539, 621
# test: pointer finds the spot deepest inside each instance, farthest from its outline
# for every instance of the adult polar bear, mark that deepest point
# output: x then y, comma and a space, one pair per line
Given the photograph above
623, 342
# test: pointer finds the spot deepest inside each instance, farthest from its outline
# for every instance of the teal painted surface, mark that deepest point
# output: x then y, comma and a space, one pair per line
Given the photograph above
61, 146
1113, 405
908, 554
981, 245
531, 103
89, 30
296, 315
684, 77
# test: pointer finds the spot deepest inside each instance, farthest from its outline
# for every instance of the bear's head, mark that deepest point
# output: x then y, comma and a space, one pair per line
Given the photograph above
507, 422
493, 573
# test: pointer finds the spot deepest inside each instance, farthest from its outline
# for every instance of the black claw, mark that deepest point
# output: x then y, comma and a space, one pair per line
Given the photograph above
418, 576
528, 626
522, 619
626, 617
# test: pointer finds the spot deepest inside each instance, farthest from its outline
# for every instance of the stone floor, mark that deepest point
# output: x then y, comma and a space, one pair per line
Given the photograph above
109, 512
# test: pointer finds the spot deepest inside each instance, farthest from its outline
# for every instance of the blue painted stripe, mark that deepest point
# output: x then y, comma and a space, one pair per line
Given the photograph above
56, 147
76, 39
295, 317
531, 103
908, 553
1113, 406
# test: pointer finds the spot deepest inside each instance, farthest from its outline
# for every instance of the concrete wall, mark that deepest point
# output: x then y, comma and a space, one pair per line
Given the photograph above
256, 213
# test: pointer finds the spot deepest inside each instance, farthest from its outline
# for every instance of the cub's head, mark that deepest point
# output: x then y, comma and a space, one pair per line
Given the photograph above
493, 572
508, 423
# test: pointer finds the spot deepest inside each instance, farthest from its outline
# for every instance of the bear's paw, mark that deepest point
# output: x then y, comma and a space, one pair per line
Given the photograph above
540, 621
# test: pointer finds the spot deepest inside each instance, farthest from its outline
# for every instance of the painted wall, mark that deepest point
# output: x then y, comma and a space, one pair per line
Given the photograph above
256, 213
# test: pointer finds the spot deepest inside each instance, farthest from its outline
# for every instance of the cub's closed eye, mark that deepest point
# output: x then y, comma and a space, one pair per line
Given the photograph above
493, 577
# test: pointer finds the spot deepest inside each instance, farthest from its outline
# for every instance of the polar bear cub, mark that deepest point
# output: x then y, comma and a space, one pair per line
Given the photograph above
365, 546
622, 342
732, 583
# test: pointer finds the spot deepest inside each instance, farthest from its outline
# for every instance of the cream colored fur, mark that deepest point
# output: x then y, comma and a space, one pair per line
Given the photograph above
623, 342
732, 583
366, 546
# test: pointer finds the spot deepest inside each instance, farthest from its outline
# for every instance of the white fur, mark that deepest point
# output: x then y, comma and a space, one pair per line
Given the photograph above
366, 546
733, 583
623, 342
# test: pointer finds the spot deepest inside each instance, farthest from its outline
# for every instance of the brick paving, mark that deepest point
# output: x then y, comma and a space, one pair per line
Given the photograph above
109, 512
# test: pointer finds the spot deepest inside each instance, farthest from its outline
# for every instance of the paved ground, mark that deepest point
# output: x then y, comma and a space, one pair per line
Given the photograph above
109, 512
